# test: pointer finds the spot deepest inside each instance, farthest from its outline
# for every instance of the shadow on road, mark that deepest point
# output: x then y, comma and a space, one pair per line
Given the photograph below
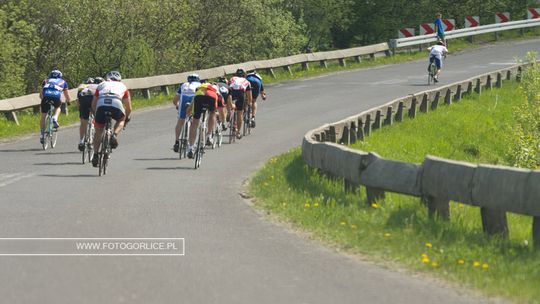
58, 164
58, 153
68, 175
170, 168
150, 159
22, 150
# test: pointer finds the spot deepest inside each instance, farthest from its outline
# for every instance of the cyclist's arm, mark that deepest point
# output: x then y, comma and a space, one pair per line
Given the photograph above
126, 100
66, 95
176, 100
230, 104
249, 97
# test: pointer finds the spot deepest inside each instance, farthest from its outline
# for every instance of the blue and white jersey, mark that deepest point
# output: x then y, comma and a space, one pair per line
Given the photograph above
256, 84
187, 90
53, 87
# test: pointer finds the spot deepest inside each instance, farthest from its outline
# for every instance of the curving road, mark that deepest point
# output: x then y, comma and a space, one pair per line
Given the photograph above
232, 255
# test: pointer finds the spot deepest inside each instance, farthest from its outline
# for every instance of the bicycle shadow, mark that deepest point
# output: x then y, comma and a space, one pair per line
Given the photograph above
170, 168
22, 150
69, 175
58, 153
58, 164
153, 159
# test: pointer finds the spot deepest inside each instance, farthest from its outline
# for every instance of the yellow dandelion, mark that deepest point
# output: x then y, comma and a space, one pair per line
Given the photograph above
476, 264
425, 260
316, 205
375, 206
429, 245
461, 261
353, 227
343, 223
424, 256
485, 266
307, 205
435, 264
387, 234
460, 205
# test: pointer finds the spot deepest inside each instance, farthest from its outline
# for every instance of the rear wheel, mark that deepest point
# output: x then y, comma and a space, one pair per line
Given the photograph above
182, 149
54, 137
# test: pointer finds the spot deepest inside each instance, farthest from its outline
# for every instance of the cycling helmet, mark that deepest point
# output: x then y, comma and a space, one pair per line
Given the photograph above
55, 74
98, 80
441, 42
114, 75
255, 74
222, 79
89, 80
240, 73
193, 77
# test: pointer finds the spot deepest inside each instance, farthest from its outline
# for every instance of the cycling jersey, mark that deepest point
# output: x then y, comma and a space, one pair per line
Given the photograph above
188, 89
239, 84
111, 93
438, 51
53, 87
256, 85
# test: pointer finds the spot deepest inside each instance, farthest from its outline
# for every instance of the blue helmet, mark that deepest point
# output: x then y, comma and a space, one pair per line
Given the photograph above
55, 74
193, 77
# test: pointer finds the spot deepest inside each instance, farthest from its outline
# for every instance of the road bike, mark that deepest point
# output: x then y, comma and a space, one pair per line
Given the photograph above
232, 126
51, 133
183, 140
247, 120
432, 71
88, 150
218, 135
201, 140
105, 149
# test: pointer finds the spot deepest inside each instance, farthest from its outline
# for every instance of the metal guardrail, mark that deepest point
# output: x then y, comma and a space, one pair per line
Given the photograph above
467, 32
495, 189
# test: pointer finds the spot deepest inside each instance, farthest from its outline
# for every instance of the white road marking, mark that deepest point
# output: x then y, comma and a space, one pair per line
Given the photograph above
10, 178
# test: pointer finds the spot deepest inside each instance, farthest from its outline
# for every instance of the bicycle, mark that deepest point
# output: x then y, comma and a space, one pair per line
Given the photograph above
51, 133
218, 135
247, 120
201, 140
432, 71
105, 149
183, 140
232, 126
88, 150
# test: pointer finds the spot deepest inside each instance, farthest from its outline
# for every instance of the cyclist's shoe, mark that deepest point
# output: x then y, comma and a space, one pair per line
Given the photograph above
114, 142
95, 160
190, 153
252, 123
176, 146
209, 141
55, 124
223, 127
238, 135
42, 140
81, 147
436, 78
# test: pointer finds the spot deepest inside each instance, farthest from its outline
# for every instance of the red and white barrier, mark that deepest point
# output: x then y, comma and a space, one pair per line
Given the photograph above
502, 17
533, 13
472, 21
427, 28
449, 24
406, 32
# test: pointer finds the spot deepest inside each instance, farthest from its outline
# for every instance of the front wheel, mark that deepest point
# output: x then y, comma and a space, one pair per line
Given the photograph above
54, 138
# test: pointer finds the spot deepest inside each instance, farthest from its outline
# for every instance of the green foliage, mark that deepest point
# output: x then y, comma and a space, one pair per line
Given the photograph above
525, 136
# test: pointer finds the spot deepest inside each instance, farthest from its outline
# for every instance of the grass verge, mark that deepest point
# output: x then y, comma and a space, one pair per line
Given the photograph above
398, 229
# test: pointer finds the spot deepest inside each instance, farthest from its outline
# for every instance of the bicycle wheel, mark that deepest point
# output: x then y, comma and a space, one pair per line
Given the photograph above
182, 150
201, 141
430, 75
103, 155
54, 137
218, 136
232, 127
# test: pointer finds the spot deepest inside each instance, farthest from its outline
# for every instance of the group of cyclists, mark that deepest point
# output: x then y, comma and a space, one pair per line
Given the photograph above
110, 95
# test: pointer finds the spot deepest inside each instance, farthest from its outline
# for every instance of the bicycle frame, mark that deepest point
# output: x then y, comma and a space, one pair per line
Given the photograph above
105, 148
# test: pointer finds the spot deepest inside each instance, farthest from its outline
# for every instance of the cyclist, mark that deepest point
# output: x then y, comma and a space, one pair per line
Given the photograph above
223, 89
84, 103
239, 88
256, 88
181, 100
52, 89
110, 96
436, 54
206, 98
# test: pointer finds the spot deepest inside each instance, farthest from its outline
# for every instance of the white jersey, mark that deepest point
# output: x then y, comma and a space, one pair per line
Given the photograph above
188, 89
111, 93
438, 51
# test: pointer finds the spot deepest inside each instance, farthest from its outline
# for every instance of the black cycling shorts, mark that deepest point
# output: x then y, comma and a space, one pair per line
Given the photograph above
202, 103
238, 97
45, 103
85, 106
101, 119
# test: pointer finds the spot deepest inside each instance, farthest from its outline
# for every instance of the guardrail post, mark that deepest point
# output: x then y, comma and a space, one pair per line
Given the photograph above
388, 121
367, 125
271, 72
36, 109
494, 222
305, 66
374, 195
388, 53
324, 64
358, 59
165, 90
342, 62
435, 102
518, 74
372, 56
331, 134
508, 75
12, 116
350, 186
489, 84
424, 105
478, 87
498, 83
352, 134
536, 232
438, 206
448, 97
470, 88
146, 93
317, 137
413, 108
288, 69
378, 121
64, 108
457, 96
360, 130
399, 112
323, 136
345, 136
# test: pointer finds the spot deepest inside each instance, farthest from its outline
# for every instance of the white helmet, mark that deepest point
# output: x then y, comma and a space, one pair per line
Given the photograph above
193, 77
256, 75
114, 75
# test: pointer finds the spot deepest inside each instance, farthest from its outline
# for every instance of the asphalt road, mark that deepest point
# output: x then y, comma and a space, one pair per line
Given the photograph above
232, 254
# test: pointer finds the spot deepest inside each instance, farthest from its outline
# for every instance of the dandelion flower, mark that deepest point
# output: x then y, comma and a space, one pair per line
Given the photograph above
387, 234
425, 260
343, 223
435, 264
429, 245
485, 266
476, 264
424, 256
307, 205
461, 262
375, 206
316, 205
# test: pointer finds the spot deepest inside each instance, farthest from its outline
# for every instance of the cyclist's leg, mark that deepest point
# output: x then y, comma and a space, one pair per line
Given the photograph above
198, 106
211, 107
57, 106
438, 63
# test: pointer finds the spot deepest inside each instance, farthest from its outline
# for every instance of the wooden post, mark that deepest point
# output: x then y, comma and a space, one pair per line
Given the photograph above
358, 59
271, 72
536, 232
332, 134
508, 75
345, 136
457, 96
165, 90
498, 83
317, 137
412, 109
64, 108
448, 97
342, 62
435, 102
374, 195
399, 113
424, 106
323, 136
352, 134
489, 84
12, 117
146, 93
388, 120
470, 87
305, 66
438, 207
367, 125
372, 56
478, 87
324, 64
288, 69
378, 121
494, 222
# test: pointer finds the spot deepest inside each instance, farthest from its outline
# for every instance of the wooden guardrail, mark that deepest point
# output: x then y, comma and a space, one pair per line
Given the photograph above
495, 189
11, 105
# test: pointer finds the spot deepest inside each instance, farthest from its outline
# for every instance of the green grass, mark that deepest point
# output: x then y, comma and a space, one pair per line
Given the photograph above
398, 230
